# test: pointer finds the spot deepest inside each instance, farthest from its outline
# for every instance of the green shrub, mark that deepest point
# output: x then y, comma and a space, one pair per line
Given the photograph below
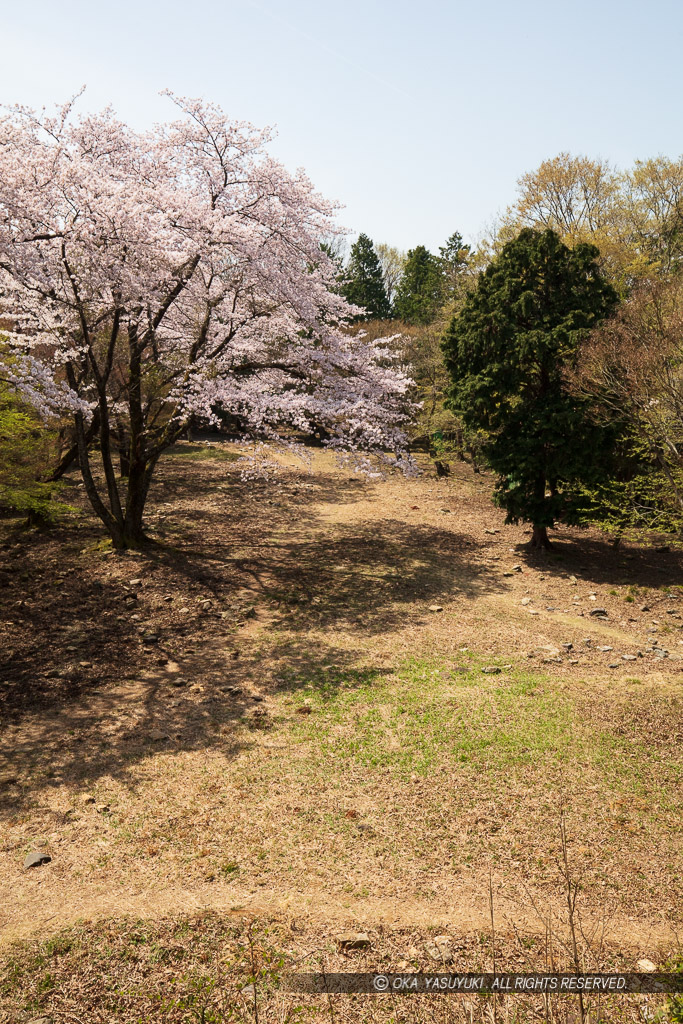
27, 455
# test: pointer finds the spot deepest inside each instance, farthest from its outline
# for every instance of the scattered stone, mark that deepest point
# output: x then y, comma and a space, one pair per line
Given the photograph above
660, 652
353, 940
587, 640
441, 949
645, 608
517, 568
573, 661
492, 531
526, 601
34, 860
573, 580
492, 670
508, 574
599, 613
629, 657
103, 808
158, 734
249, 990
435, 608
568, 646
178, 681
646, 966
257, 697
184, 610
150, 638
615, 664
532, 611
87, 798
605, 649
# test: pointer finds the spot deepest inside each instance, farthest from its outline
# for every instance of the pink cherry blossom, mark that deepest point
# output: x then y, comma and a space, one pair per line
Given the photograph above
146, 278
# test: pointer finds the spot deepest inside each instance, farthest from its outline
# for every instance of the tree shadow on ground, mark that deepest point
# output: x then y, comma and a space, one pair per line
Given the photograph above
594, 560
87, 656
109, 731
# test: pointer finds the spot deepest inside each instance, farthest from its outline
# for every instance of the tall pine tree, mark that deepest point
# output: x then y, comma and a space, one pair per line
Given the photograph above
507, 352
363, 283
454, 256
419, 295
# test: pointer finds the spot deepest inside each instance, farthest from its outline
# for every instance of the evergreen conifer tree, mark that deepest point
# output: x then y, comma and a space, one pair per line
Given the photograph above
419, 294
363, 281
507, 352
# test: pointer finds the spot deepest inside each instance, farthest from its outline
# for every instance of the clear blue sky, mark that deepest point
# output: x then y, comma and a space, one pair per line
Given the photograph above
418, 117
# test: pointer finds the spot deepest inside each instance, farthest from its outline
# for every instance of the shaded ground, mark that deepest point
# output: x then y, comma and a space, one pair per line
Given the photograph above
267, 713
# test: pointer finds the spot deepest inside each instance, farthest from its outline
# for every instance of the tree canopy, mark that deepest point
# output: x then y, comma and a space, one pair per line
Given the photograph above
419, 293
634, 217
147, 278
364, 281
507, 352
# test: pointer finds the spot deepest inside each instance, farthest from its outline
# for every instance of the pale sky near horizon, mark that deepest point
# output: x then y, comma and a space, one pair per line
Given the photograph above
418, 118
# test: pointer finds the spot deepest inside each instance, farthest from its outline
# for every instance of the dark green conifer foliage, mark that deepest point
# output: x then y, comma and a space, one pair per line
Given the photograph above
419, 294
507, 352
363, 283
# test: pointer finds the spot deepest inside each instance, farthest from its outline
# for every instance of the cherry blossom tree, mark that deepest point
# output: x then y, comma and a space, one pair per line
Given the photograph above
146, 278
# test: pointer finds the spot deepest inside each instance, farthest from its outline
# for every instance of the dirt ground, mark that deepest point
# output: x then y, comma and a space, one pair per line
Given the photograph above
344, 702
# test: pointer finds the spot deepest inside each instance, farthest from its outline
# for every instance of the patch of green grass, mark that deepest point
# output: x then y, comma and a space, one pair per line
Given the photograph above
229, 868
429, 714
202, 452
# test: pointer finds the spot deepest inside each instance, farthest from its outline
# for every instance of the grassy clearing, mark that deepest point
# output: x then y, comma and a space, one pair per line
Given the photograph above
335, 754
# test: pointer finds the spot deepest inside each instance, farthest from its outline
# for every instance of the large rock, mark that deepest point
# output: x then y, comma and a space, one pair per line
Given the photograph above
35, 859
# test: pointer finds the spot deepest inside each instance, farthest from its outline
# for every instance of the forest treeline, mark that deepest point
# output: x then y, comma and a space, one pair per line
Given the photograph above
550, 353
553, 352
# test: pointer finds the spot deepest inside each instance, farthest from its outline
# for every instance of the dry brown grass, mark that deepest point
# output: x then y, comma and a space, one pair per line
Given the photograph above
217, 968
413, 776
